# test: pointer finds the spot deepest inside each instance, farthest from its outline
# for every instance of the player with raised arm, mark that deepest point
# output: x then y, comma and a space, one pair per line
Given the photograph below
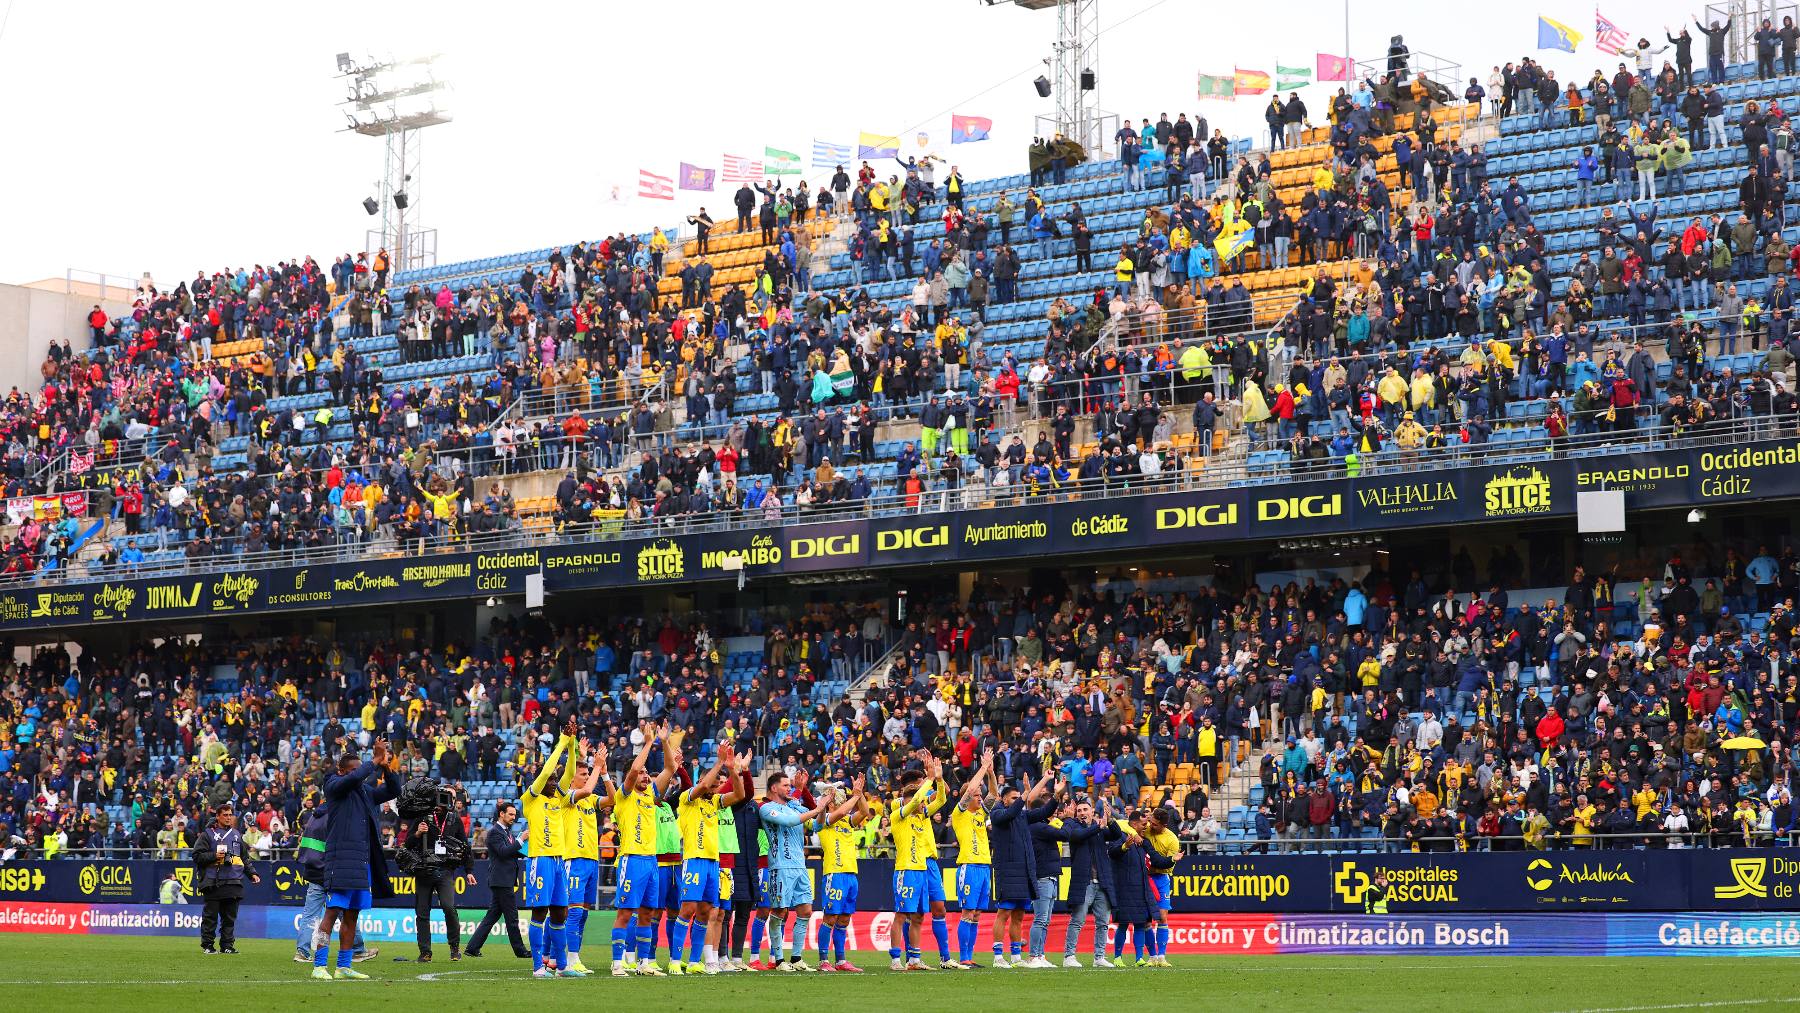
668, 846
934, 872
974, 864
355, 869
918, 881
1015, 864
635, 901
716, 952
1160, 839
547, 872
838, 833
790, 883
581, 835
699, 822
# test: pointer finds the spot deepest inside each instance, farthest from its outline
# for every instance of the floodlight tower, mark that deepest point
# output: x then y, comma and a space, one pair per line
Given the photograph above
396, 100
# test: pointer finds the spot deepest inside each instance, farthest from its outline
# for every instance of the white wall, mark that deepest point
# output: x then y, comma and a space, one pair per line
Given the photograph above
30, 319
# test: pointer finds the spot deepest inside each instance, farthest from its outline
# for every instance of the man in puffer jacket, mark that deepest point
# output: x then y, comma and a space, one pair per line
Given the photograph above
313, 820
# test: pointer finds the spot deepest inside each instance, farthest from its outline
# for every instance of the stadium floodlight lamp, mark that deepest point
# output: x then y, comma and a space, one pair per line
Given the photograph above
343, 63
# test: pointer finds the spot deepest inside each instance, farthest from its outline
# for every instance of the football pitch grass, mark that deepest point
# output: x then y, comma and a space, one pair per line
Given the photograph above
93, 974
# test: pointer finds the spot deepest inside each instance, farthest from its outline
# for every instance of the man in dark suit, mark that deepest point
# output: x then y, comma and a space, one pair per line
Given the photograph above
503, 878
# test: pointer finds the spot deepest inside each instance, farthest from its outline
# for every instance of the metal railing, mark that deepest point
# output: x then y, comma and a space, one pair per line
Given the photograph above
110, 286
1304, 841
135, 452
1275, 846
1606, 334
561, 401
1746, 17
939, 499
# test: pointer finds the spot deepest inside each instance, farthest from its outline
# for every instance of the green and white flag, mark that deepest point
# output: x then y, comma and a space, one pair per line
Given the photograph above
843, 383
1217, 86
1289, 78
777, 162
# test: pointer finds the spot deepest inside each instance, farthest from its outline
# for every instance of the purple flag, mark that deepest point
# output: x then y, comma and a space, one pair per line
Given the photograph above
695, 178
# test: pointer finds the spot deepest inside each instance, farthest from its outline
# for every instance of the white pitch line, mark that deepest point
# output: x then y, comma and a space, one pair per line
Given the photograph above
437, 975
1690, 1005
184, 982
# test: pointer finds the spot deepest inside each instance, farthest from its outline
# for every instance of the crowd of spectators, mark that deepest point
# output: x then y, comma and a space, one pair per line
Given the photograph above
82, 736
1453, 333
1425, 712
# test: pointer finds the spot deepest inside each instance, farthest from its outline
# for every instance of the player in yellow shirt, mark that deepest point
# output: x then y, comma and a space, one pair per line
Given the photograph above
1160, 839
838, 835
581, 837
974, 863
699, 822
918, 882
635, 901
719, 925
547, 874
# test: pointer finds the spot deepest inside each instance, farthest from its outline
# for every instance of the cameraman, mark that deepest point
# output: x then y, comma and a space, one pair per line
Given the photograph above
442, 847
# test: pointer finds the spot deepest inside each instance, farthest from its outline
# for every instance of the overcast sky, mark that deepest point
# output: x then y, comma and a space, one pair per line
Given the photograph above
173, 137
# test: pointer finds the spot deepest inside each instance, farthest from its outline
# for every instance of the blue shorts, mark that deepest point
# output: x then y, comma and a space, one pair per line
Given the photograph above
546, 882
911, 894
934, 881
584, 882
1159, 904
725, 884
840, 893
700, 881
668, 886
638, 883
760, 891
1012, 905
789, 888
975, 887
350, 900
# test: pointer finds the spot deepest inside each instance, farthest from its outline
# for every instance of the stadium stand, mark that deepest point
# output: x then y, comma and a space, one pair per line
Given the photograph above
1393, 304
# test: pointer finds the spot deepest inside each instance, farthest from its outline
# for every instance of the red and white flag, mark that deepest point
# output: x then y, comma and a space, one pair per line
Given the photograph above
739, 169
655, 187
1608, 37
80, 461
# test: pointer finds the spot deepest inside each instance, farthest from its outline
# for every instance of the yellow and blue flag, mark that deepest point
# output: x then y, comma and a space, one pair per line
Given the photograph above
877, 146
1553, 34
1234, 238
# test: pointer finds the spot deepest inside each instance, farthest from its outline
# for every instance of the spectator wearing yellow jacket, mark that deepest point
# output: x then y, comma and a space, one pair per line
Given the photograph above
1256, 412
1410, 435
1424, 394
1391, 391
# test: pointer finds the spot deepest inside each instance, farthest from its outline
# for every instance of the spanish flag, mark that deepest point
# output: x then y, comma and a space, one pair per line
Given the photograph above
1553, 34
1250, 82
